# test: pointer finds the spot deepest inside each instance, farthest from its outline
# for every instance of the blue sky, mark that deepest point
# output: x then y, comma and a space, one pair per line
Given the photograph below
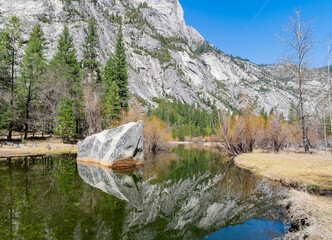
222, 23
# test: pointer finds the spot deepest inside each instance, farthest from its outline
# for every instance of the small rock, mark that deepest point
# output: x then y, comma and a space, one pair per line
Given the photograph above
16, 145
9, 144
48, 147
21, 146
0, 145
34, 145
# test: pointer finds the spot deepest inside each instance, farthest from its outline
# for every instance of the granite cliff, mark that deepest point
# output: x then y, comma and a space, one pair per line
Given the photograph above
166, 57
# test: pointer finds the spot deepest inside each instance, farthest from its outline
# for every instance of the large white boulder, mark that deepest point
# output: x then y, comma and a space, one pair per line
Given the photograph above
110, 146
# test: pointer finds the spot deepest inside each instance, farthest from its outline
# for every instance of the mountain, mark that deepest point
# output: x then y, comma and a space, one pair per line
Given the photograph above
166, 57
315, 84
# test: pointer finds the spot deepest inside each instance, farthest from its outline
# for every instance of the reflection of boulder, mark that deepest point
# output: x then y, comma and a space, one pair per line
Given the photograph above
122, 186
188, 208
109, 146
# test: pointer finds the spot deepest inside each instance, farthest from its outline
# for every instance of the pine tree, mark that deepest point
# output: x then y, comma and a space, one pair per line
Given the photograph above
4, 59
66, 53
109, 73
121, 69
5, 113
293, 115
66, 58
66, 119
181, 134
90, 62
33, 66
14, 30
112, 104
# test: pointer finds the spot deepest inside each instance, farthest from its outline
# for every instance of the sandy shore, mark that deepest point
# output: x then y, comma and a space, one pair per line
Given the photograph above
49, 146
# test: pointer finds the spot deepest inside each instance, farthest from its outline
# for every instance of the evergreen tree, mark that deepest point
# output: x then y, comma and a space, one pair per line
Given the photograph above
33, 66
4, 60
149, 112
121, 69
181, 134
271, 111
293, 115
66, 119
90, 62
5, 113
14, 30
91, 77
109, 74
112, 104
66, 53
66, 58
263, 113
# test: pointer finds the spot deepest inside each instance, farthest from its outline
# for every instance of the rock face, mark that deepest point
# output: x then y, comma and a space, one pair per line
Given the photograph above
166, 57
109, 146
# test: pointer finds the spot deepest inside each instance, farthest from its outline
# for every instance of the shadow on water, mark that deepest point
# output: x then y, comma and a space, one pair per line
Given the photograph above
187, 194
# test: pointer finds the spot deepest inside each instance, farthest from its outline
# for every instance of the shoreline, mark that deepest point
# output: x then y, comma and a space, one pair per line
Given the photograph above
51, 146
308, 210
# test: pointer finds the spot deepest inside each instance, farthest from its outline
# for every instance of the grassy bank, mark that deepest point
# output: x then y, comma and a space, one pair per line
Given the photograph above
310, 214
311, 171
49, 146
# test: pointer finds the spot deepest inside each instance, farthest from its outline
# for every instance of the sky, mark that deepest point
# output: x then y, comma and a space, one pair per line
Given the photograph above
231, 26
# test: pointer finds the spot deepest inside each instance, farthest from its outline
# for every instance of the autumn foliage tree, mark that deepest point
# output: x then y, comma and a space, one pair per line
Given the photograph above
239, 133
278, 133
156, 134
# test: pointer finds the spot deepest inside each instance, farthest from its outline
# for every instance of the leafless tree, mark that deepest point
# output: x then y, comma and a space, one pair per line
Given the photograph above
299, 36
92, 110
329, 80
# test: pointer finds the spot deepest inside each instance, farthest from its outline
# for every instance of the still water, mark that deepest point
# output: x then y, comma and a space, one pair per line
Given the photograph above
190, 193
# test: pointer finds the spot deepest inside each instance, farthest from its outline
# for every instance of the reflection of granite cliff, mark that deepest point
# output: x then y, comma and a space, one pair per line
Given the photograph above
190, 208
109, 146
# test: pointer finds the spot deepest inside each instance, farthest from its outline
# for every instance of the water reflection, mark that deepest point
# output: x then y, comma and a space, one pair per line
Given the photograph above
187, 194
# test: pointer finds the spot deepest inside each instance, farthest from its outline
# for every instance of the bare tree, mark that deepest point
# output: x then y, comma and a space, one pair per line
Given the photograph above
92, 110
299, 36
329, 79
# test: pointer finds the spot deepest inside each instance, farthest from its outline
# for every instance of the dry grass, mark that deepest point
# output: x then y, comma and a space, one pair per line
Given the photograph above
315, 169
315, 210
57, 147
306, 170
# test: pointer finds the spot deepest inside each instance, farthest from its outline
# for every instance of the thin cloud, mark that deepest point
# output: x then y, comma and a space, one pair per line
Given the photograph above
252, 20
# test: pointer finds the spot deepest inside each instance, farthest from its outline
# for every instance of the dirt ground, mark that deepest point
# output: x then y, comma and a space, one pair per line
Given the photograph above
45, 146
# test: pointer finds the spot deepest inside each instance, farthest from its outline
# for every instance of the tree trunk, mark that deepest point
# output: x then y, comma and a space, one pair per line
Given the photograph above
329, 91
26, 126
303, 120
11, 125
325, 141
9, 136
329, 83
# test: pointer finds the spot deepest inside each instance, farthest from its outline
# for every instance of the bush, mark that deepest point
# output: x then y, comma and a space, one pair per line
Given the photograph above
278, 133
239, 133
157, 134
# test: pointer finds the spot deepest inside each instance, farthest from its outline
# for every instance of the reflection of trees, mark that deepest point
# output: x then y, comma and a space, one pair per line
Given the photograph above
194, 162
44, 198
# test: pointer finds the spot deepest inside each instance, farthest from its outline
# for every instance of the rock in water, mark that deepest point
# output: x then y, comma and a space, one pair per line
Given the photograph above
110, 146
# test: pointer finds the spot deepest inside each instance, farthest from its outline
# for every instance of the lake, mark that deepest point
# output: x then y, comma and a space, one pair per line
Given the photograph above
191, 193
